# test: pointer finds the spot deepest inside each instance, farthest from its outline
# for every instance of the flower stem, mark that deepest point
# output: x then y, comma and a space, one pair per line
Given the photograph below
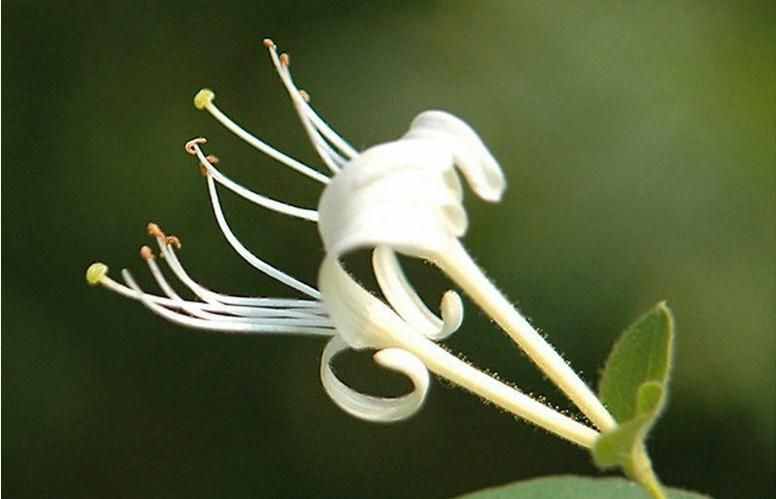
443, 363
643, 473
462, 269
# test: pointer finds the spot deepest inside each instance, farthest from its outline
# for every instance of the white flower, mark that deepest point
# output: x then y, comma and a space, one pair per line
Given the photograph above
403, 196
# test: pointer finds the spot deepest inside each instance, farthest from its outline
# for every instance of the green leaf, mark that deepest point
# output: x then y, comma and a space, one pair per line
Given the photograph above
641, 355
634, 387
574, 487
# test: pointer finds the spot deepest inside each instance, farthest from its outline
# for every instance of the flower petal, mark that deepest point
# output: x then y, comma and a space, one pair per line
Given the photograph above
400, 194
358, 316
406, 302
368, 407
479, 167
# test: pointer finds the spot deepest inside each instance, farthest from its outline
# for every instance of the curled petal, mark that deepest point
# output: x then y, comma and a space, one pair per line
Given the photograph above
402, 194
406, 194
479, 167
360, 318
406, 302
368, 407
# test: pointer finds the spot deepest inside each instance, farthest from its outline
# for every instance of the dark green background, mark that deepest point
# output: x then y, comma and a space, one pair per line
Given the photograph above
639, 143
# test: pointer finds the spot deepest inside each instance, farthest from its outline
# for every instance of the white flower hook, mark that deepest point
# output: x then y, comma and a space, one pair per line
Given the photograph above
404, 196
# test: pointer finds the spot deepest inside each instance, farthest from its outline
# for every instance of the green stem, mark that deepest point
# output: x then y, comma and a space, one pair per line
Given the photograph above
642, 472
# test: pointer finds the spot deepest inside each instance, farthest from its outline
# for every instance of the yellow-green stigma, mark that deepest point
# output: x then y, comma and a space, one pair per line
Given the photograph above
203, 98
95, 273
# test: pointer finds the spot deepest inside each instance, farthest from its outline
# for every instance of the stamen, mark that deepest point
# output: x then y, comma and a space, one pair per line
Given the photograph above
263, 201
292, 316
173, 241
154, 230
317, 121
96, 273
146, 254
191, 146
204, 100
305, 307
301, 308
333, 154
306, 114
242, 311
250, 257
197, 311
226, 326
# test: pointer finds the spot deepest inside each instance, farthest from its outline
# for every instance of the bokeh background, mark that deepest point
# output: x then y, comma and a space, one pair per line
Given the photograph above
639, 144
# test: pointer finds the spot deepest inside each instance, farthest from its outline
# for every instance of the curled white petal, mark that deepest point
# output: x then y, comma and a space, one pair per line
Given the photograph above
477, 164
399, 194
368, 407
354, 311
406, 302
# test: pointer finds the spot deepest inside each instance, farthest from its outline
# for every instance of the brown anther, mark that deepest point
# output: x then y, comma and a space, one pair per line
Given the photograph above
146, 253
173, 241
268, 43
285, 59
193, 145
212, 159
304, 95
154, 230
203, 170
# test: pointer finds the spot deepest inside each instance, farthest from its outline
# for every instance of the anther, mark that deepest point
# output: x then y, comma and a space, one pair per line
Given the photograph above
304, 95
95, 273
173, 241
204, 98
268, 43
285, 59
193, 145
154, 230
146, 253
212, 159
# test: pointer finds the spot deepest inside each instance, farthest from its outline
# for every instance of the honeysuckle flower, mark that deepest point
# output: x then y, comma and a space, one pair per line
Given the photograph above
405, 197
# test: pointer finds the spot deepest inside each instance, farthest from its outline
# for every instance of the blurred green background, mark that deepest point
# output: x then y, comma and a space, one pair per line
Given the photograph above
639, 142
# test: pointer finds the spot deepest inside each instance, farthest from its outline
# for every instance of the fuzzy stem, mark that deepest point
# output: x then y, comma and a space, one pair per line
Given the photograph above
443, 363
462, 269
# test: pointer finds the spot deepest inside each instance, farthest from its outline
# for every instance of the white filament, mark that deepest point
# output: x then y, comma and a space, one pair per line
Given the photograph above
263, 201
301, 105
328, 133
303, 308
242, 311
225, 326
249, 257
233, 317
263, 147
